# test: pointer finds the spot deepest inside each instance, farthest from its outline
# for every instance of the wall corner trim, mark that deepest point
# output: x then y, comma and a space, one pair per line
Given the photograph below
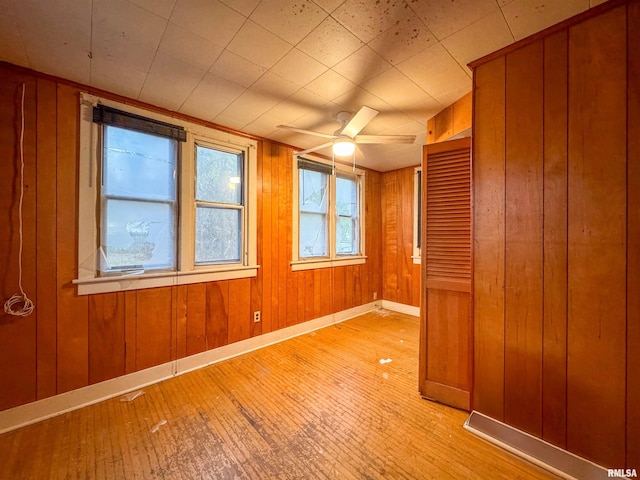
533, 449
27, 414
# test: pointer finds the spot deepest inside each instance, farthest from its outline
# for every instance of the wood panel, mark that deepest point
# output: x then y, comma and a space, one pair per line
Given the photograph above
401, 282
17, 334
488, 237
217, 314
633, 238
554, 361
240, 317
597, 238
106, 336
72, 310
196, 315
154, 340
523, 239
451, 121
46, 233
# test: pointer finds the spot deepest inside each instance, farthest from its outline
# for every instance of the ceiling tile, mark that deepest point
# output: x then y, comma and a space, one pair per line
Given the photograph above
330, 43
236, 69
446, 18
11, 47
210, 19
188, 46
258, 45
291, 20
126, 33
328, 5
287, 111
362, 65
159, 7
248, 107
403, 40
437, 73
116, 77
399, 91
367, 19
212, 95
298, 67
356, 98
275, 86
245, 7
170, 82
330, 85
492, 29
526, 17
62, 61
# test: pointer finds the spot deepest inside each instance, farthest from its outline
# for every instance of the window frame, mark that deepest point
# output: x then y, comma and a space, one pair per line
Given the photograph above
88, 280
333, 259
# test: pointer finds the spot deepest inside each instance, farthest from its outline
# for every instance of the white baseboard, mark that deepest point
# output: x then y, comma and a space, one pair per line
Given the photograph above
39, 410
533, 449
401, 308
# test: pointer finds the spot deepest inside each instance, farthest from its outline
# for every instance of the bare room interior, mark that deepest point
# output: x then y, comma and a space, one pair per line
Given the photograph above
305, 239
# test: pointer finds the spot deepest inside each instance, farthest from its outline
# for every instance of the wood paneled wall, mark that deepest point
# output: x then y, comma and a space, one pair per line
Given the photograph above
401, 277
72, 341
556, 229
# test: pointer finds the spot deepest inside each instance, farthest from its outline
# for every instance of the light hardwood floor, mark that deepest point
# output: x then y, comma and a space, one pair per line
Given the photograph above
314, 407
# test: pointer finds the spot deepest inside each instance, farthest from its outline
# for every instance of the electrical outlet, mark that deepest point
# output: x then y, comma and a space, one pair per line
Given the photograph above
375, 295
256, 316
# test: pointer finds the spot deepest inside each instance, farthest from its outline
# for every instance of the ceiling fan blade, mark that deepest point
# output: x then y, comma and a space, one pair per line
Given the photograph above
314, 149
385, 138
359, 121
308, 132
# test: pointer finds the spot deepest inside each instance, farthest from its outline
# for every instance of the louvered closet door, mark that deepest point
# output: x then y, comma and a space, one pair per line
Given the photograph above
446, 333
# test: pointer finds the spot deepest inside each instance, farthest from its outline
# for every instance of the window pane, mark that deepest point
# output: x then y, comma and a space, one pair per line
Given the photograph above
139, 165
346, 198
346, 236
218, 176
138, 235
313, 235
218, 235
313, 191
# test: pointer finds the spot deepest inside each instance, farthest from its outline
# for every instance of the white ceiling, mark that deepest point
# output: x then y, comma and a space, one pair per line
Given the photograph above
254, 64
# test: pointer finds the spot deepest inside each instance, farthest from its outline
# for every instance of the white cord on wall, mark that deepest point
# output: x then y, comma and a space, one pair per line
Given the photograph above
20, 305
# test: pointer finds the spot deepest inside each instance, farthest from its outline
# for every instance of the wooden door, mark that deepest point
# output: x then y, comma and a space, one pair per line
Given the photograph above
446, 346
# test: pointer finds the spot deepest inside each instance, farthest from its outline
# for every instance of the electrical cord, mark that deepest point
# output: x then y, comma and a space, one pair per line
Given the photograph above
19, 304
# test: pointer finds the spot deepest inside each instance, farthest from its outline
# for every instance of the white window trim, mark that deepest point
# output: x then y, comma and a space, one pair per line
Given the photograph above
417, 254
88, 282
333, 260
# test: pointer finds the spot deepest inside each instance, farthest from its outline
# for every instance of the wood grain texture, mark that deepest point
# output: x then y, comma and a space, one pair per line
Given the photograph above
240, 318
523, 238
106, 336
217, 314
633, 238
46, 236
72, 310
554, 348
17, 334
401, 279
489, 237
196, 309
317, 406
597, 239
154, 339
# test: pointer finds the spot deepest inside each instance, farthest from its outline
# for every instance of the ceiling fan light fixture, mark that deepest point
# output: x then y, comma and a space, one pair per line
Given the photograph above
343, 147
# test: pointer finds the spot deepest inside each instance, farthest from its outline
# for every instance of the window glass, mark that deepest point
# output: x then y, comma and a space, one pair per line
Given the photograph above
138, 194
347, 241
313, 225
219, 205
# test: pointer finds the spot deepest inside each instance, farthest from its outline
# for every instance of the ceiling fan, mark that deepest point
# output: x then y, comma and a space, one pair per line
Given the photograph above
344, 139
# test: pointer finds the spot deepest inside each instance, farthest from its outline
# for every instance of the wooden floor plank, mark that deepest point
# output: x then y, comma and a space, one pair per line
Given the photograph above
318, 406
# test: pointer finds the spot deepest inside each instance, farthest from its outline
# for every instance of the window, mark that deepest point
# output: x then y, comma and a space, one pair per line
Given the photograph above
162, 201
417, 214
328, 222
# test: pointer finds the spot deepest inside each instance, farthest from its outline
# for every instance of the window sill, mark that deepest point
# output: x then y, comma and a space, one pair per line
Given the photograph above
89, 286
312, 264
